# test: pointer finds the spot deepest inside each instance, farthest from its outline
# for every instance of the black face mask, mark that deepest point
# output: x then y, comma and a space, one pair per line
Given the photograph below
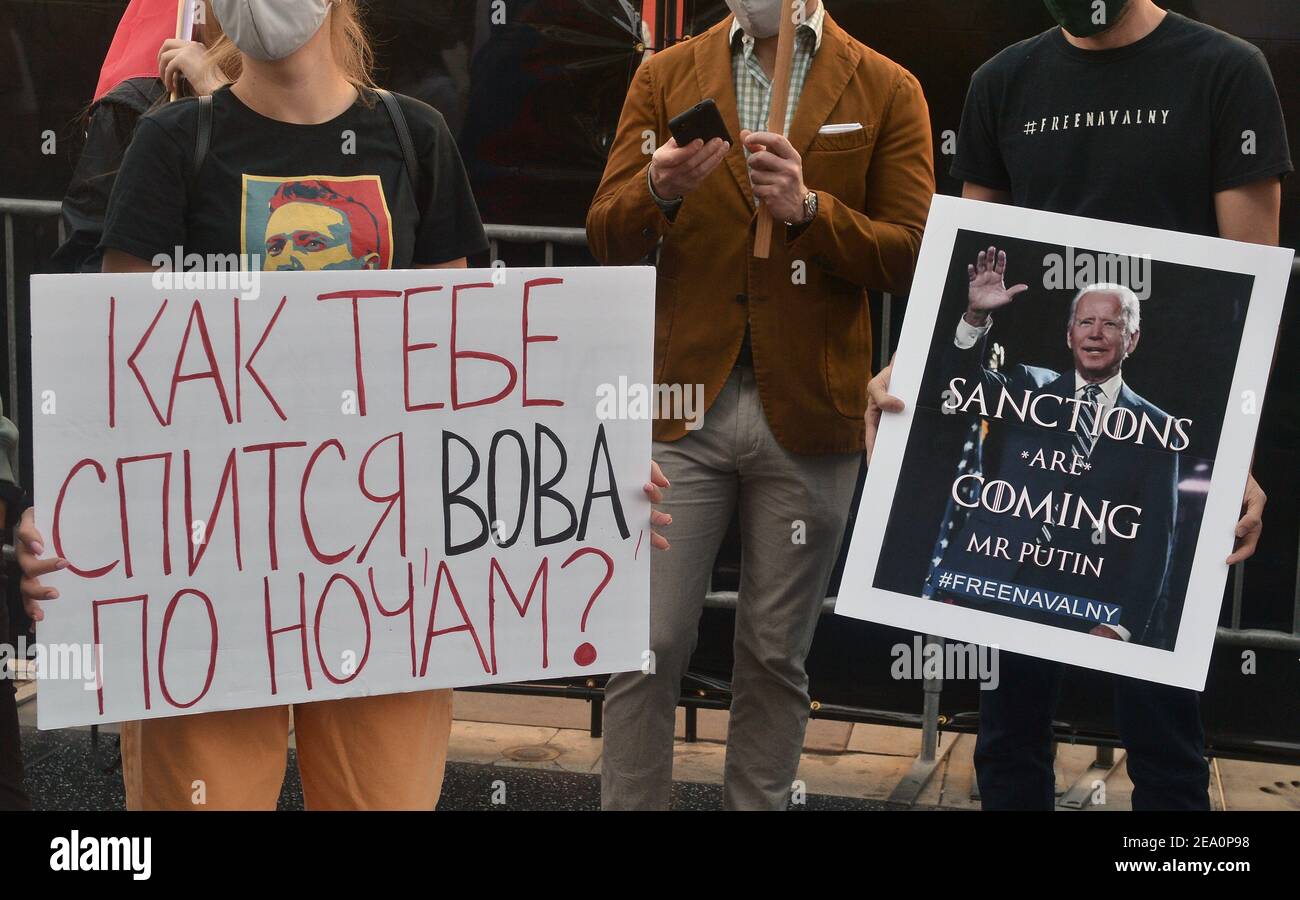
1084, 18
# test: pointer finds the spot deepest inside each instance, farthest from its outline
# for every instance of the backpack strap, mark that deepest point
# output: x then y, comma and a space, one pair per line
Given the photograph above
403, 138
202, 139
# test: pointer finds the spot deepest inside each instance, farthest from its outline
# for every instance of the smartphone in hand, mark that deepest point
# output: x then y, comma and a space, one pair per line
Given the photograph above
702, 121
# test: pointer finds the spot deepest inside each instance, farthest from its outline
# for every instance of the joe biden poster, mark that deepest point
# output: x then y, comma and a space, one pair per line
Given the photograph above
1081, 405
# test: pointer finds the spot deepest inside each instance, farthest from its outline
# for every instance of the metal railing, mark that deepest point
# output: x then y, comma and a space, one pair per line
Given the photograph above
709, 696
12, 207
546, 235
550, 237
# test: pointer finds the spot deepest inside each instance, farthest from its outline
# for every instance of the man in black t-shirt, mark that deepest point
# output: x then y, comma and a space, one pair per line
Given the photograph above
1161, 130
1131, 114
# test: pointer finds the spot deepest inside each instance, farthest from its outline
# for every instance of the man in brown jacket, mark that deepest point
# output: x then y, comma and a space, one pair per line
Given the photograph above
781, 347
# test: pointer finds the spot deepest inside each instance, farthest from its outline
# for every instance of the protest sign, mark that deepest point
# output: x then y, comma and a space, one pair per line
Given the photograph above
1082, 401
351, 483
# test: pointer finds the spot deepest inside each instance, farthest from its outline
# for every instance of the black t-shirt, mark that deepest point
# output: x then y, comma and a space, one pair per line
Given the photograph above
333, 195
108, 134
1143, 134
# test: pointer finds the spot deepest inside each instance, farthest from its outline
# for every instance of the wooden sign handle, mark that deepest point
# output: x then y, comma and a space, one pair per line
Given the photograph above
776, 114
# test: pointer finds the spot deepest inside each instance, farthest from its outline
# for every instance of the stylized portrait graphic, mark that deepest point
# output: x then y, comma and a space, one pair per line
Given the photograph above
1064, 476
1065, 437
313, 223
1083, 486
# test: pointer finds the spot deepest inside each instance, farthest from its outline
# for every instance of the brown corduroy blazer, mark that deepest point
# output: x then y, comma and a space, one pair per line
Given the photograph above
807, 303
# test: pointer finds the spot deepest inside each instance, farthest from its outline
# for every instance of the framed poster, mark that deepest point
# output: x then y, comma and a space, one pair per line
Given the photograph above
1081, 402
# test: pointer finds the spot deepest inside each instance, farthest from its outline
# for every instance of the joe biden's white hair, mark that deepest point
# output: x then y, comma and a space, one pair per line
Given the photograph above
1130, 306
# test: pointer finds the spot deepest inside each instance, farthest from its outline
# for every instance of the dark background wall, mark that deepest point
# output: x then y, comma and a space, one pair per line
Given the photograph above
534, 102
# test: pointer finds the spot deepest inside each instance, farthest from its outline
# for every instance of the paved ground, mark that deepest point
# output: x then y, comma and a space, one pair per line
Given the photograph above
536, 754
841, 759
65, 771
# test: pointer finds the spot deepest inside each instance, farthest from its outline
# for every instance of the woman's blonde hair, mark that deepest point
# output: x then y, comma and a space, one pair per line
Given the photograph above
348, 38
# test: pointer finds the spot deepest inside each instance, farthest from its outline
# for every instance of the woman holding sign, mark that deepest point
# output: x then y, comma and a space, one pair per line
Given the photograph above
299, 164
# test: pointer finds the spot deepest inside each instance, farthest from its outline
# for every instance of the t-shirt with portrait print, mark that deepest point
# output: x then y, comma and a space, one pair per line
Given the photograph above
329, 196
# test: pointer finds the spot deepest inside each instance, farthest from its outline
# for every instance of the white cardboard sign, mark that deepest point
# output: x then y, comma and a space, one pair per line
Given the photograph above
996, 511
357, 483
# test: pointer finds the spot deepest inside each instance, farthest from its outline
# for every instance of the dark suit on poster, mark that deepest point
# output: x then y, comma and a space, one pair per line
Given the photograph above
1133, 572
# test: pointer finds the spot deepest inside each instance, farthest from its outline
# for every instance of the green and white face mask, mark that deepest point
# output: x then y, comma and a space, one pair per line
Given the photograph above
1084, 18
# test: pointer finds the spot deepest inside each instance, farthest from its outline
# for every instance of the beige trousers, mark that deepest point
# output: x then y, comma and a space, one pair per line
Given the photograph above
792, 515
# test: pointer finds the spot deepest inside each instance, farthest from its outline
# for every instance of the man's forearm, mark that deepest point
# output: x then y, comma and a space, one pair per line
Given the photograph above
624, 222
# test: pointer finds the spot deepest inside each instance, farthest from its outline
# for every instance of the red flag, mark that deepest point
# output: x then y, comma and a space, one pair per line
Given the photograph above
134, 51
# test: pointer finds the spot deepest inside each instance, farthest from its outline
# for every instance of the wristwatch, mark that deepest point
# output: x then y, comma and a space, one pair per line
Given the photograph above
809, 209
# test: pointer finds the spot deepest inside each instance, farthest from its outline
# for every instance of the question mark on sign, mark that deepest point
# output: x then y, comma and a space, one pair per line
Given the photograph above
585, 655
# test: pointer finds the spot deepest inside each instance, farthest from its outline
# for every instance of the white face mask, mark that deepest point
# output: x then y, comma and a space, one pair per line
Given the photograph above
270, 29
758, 18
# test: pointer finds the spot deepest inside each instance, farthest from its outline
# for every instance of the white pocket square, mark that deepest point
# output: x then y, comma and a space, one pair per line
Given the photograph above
841, 128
